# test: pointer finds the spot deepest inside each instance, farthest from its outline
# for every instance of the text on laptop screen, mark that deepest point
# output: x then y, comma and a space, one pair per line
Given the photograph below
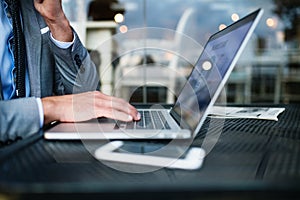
208, 73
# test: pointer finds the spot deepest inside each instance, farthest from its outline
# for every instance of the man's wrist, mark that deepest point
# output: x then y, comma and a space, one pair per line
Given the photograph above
61, 30
49, 110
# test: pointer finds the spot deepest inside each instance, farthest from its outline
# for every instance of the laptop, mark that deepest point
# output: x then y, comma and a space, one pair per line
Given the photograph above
185, 118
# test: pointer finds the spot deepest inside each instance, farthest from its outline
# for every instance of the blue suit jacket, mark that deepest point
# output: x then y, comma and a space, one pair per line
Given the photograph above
52, 71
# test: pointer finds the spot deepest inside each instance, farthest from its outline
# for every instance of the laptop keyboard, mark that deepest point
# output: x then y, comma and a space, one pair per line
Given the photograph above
149, 120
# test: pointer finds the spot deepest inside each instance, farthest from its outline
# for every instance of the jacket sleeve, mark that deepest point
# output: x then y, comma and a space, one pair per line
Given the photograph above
19, 118
74, 71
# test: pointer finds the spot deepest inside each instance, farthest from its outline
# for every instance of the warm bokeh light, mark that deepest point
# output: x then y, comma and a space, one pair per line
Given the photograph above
123, 29
235, 17
272, 23
222, 26
119, 18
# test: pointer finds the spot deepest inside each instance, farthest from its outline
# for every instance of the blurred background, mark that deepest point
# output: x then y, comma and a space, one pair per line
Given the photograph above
116, 33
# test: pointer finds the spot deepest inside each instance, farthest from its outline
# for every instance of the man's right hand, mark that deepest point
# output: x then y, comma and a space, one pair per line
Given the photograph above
86, 106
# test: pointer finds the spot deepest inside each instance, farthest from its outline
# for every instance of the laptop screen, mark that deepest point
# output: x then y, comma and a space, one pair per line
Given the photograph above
208, 76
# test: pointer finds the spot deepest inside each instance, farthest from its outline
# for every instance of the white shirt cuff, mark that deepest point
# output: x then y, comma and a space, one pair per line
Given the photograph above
41, 111
62, 45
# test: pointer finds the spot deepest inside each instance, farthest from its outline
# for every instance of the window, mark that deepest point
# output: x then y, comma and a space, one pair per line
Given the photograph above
267, 71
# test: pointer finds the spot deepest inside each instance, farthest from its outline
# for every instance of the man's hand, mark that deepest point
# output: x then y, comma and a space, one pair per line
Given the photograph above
52, 12
86, 106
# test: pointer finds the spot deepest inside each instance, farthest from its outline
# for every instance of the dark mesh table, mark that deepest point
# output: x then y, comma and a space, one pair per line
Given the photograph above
251, 159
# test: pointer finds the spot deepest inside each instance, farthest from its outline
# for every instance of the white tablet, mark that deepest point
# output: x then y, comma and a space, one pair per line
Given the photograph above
168, 156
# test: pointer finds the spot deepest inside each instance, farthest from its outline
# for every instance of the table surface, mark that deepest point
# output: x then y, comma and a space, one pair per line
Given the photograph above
251, 158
